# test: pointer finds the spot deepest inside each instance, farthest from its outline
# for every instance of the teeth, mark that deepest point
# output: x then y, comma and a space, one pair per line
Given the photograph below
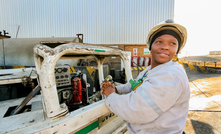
163, 54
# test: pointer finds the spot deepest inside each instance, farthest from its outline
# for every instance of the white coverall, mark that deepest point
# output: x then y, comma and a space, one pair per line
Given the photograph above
159, 105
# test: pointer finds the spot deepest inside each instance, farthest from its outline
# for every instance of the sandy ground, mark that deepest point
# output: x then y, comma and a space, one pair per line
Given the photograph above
205, 104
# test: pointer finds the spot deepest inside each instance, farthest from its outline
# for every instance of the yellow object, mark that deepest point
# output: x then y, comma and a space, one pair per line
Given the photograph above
136, 84
18, 67
203, 69
192, 68
135, 88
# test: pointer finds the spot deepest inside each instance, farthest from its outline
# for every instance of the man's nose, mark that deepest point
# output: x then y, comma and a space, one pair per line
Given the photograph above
165, 46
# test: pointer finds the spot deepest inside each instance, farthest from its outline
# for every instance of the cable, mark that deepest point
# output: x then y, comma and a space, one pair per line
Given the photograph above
70, 67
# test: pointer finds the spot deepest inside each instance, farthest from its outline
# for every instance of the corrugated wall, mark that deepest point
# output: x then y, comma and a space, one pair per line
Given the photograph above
101, 21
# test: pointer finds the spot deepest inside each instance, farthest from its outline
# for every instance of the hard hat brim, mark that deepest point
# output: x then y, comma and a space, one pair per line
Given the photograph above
180, 30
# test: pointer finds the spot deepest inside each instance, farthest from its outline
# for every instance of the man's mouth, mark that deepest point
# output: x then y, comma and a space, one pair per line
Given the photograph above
163, 54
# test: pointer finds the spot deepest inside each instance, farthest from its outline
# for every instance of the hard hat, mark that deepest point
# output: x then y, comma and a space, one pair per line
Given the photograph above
168, 25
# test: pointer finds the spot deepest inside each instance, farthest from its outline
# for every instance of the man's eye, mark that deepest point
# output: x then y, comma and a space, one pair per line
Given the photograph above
173, 43
158, 41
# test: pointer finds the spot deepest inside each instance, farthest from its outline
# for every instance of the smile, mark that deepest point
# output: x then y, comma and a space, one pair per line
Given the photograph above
163, 54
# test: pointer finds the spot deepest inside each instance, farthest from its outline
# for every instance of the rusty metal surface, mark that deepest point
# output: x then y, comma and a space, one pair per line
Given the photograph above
51, 55
4, 35
11, 76
56, 118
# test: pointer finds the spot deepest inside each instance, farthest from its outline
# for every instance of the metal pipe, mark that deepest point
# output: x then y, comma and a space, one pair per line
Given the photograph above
3, 52
17, 31
78, 35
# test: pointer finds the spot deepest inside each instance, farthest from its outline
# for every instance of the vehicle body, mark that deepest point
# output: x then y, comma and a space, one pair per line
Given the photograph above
19, 51
51, 114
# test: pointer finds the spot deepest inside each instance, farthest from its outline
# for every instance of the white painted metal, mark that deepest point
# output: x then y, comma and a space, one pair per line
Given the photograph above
36, 122
60, 120
127, 62
49, 56
11, 76
21, 120
19, 51
114, 130
100, 69
101, 21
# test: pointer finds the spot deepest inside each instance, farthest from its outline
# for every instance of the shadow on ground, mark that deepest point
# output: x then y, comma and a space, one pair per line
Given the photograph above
196, 75
201, 127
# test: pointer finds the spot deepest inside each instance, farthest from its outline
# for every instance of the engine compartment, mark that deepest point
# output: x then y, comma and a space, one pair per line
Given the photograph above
73, 88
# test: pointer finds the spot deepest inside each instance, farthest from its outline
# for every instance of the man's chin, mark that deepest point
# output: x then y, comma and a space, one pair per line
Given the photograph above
163, 61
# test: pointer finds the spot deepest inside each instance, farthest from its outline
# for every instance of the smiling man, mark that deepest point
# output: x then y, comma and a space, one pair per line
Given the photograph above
157, 101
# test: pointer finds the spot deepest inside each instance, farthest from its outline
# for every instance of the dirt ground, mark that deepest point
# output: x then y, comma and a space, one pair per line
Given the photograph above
205, 104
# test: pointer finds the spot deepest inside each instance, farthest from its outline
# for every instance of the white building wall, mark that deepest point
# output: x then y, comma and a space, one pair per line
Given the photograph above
101, 21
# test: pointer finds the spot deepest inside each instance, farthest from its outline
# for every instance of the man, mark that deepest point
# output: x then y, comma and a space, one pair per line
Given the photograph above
157, 102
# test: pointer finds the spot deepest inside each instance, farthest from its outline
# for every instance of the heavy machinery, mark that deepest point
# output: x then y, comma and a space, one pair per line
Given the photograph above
67, 102
16, 52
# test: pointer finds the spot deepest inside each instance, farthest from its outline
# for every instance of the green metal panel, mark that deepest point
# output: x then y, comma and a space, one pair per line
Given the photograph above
88, 128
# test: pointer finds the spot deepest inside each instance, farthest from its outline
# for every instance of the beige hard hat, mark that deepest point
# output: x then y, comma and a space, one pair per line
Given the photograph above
168, 25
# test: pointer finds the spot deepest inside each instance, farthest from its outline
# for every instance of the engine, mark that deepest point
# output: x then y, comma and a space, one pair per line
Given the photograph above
73, 88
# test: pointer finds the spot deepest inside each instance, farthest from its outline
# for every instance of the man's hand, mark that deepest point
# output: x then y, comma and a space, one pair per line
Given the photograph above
107, 88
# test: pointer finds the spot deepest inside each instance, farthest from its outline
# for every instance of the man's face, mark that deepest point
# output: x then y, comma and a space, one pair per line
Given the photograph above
163, 49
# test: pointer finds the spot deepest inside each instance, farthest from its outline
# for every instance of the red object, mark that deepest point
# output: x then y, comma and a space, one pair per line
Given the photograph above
132, 59
138, 58
76, 85
135, 51
149, 61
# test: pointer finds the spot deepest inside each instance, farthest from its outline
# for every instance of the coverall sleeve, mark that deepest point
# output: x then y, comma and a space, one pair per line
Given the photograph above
156, 95
124, 88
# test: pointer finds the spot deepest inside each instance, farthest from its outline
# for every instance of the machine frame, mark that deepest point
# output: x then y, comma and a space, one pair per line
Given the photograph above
49, 115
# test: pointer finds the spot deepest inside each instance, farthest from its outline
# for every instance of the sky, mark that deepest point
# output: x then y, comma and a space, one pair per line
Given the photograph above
202, 18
